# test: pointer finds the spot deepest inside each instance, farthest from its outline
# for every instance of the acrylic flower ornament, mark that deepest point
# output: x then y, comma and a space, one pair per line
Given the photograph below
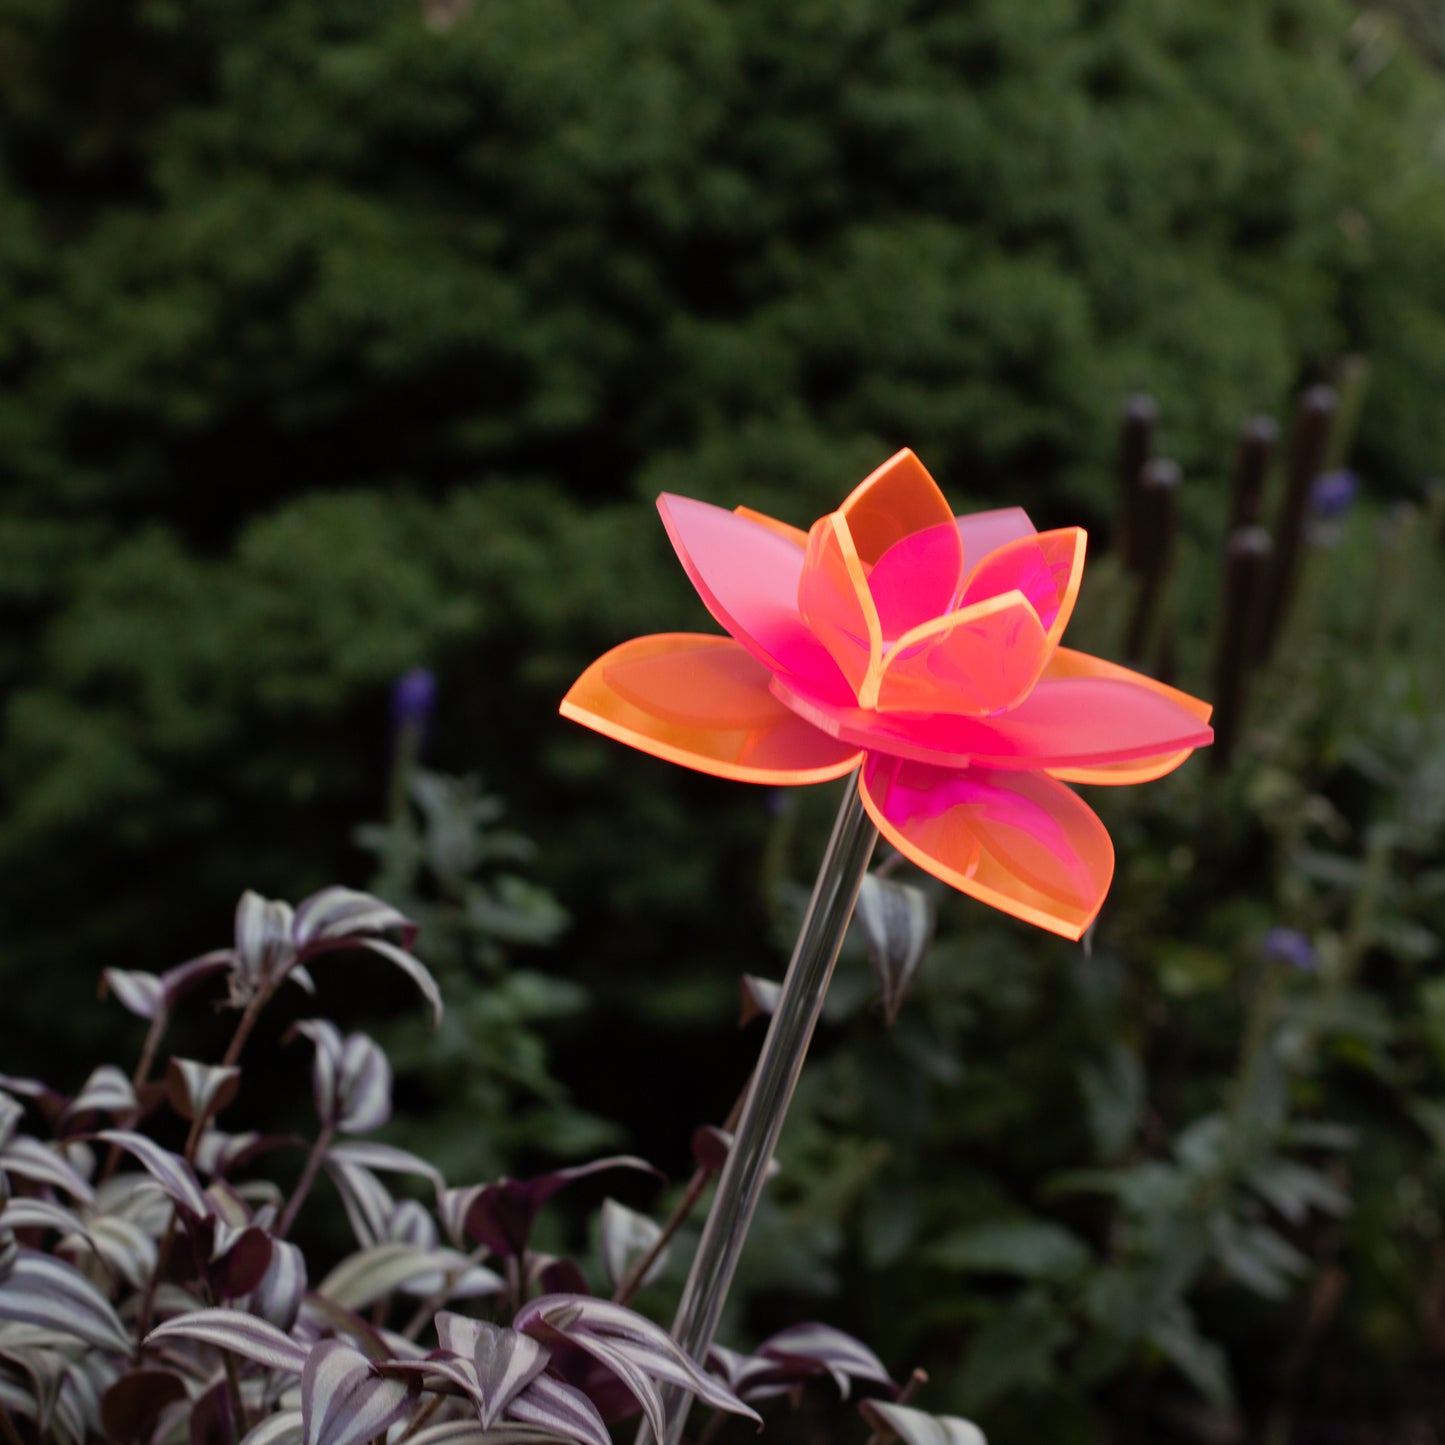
925, 648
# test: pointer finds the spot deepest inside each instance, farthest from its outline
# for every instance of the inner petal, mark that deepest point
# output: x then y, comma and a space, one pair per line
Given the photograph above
974, 662
834, 601
1046, 568
892, 503
917, 578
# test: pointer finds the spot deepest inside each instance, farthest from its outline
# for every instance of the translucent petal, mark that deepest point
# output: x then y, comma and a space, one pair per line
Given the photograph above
982, 532
917, 579
978, 660
895, 501
1065, 722
1068, 663
1046, 568
783, 529
703, 702
835, 603
747, 574
1018, 841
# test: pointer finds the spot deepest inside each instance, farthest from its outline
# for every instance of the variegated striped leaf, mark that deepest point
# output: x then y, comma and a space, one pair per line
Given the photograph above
917, 1427
367, 1201
821, 1348
626, 1237
506, 1363
283, 1428
28, 1213
106, 1091
412, 967
362, 1279
186, 977
42, 1290
631, 1346
278, 1296
896, 920
561, 1408
142, 993
198, 1090
344, 1401
30, 1159
169, 1170
242, 1334
364, 1086
385, 1157
468, 1432
123, 1247
264, 945
760, 998
345, 912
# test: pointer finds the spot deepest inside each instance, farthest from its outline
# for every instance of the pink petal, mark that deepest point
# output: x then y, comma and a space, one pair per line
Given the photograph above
703, 702
1066, 722
982, 532
1068, 663
796, 535
1046, 568
978, 660
1018, 841
835, 603
895, 501
747, 574
917, 579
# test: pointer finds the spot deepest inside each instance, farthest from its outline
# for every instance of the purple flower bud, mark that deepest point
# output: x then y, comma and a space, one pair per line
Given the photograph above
1332, 494
1289, 945
413, 697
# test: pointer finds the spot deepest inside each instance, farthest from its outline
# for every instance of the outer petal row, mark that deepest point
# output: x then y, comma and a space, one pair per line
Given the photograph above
1068, 723
747, 573
1020, 842
703, 702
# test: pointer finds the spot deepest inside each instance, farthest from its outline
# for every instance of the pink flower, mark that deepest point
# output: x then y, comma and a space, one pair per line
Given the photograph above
922, 648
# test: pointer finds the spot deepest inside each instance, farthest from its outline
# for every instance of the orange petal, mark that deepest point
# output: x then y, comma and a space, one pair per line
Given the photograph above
834, 601
1020, 842
703, 702
783, 529
895, 501
1047, 568
976, 661
1066, 662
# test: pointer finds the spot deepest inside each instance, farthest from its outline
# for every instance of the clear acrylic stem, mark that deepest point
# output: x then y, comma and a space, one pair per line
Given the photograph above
766, 1106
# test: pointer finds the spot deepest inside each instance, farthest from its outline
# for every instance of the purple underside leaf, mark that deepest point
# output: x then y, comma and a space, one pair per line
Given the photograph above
130, 1408
501, 1215
41, 1290
28, 1158
243, 1334
344, 1401
186, 977
169, 1170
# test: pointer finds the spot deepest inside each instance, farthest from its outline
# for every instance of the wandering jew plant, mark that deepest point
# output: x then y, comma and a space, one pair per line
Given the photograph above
919, 653
150, 1294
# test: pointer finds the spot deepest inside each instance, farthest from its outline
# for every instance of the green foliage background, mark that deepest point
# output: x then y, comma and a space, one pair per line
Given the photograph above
335, 339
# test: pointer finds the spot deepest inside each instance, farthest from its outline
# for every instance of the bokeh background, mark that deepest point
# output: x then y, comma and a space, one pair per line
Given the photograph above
343, 339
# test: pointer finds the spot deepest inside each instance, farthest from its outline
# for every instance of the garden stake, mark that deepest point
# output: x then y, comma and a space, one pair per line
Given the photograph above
1246, 560
1157, 503
1136, 428
741, 1184
1257, 440
1309, 445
